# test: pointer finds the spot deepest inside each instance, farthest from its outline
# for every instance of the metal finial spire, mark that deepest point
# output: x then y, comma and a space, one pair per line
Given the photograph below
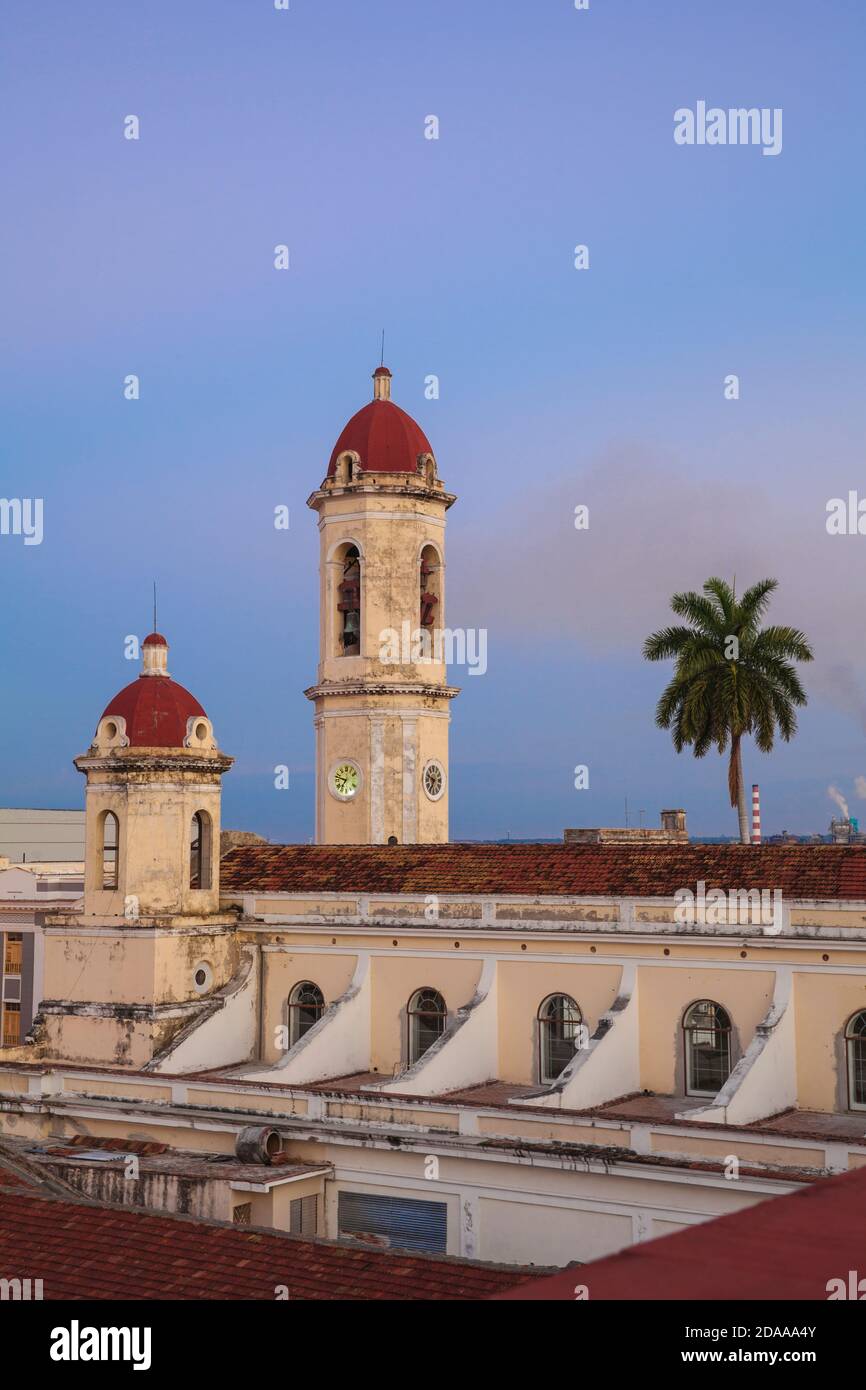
154, 605
382, 356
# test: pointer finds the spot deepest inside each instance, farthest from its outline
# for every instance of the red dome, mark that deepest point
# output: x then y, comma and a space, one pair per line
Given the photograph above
385, 438
156, 710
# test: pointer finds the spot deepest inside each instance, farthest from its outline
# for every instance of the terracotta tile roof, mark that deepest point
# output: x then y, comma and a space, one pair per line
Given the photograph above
9, 1178
352, 1081
814, 1124
783, 1249
646, 1106
84, 1250
497, 1093
800, 871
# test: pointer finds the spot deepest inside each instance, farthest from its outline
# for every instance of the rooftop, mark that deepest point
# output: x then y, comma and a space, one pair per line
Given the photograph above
88, 1152
812, 872
83, 1249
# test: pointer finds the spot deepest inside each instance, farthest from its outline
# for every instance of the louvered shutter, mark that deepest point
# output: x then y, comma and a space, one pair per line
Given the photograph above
400, 1222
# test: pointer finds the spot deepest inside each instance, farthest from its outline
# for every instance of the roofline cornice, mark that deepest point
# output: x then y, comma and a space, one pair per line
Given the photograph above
357, 1133
155, 760
375, 488
355, 688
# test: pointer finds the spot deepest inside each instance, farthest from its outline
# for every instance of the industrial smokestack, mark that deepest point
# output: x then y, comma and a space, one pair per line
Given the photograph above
756, 814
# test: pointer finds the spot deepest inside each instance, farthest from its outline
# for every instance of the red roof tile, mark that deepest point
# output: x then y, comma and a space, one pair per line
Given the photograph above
799, 871
91, 1251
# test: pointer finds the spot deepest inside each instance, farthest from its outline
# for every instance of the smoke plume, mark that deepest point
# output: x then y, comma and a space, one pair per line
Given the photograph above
835, 795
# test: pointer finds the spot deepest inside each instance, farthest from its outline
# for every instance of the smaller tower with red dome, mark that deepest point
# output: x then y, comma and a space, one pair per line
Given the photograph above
157, 949
153, 785
381, 696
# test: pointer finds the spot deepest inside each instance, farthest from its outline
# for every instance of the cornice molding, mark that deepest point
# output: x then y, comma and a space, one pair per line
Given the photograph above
155, 760
378, 489
355, 688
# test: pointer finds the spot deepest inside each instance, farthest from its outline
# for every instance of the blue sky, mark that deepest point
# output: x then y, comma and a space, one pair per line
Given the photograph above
604, 386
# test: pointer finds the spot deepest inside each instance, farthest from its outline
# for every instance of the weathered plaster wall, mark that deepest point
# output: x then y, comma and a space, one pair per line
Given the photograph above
338, 1044
665, 994
467, 1052
154, 811
824, 1004
524, 985
283, 969
395, 980
204, 1197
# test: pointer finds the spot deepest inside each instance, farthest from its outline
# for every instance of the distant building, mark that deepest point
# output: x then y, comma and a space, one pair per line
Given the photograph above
847, 832
26, 893
27, 834
785, 838
672, 831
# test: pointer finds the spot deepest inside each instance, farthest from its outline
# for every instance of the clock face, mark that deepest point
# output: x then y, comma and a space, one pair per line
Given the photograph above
434, 780
345, 780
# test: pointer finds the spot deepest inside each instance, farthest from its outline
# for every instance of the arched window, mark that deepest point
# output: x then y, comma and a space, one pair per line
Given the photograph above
110, 848
855, 1047
707, 1033
306, 1006
430, 589
199, 850
349, 603
559, 1029
427, 1014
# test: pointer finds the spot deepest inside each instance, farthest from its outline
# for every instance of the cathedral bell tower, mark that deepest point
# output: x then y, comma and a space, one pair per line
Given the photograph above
382, 698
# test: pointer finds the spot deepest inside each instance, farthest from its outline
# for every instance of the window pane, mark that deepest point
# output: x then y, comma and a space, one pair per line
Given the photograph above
427, 1018
109, 852
11, 1025
306, 1006
857, 1055
560, 1051
709, 1062
12, 954
708, 1048
559, 1028
195, 852
306, 1016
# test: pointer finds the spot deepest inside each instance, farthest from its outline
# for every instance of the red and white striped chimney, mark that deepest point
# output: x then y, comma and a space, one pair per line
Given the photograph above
756, 814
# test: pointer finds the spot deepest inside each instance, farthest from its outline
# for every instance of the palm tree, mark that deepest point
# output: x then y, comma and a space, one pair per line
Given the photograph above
731, 678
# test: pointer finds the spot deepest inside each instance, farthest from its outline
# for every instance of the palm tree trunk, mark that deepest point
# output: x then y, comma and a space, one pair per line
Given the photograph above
737, 789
